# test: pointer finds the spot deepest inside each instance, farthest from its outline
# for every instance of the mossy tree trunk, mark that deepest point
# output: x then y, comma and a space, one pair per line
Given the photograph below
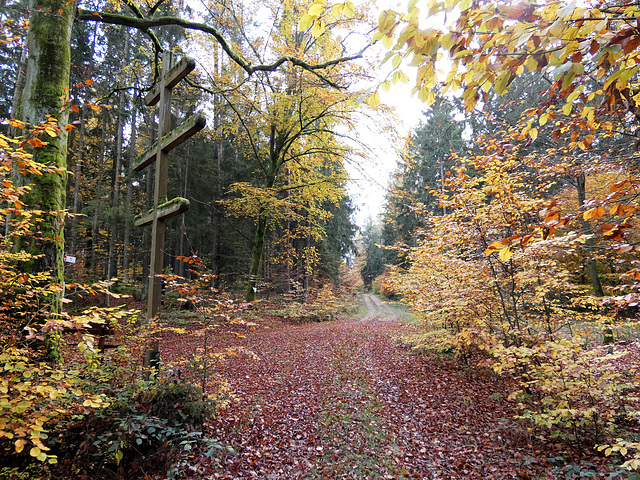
592, 267
45, 91
277, 151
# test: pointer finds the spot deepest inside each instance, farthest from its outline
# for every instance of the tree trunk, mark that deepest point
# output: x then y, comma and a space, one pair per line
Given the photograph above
45, 91
307, 263
216, 233
592, 267
256, 257
128, 220
218, 147
98, 201
261, 229
182, 229
19, 84
76, 185
112, 268
146, 232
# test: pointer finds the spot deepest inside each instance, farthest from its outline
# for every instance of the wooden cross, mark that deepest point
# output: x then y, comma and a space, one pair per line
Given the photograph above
159, 154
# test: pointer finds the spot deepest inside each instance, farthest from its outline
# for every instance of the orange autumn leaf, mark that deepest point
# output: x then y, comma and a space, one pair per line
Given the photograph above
36, 142
594, 213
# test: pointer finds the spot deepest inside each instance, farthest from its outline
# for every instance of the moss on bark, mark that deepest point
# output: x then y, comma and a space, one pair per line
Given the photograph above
46, 88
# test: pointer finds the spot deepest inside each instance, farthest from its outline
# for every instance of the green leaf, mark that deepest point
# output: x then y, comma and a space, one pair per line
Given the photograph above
577, 68
501, 84
561, 70
568, 79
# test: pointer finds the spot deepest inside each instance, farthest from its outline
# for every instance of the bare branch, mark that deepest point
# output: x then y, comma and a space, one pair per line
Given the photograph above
145, 24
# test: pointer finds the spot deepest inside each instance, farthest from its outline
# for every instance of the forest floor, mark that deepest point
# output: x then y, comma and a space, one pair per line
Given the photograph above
345, 400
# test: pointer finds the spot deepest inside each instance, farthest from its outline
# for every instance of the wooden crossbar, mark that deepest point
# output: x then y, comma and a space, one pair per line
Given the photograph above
171, 140
170, 79
171, 209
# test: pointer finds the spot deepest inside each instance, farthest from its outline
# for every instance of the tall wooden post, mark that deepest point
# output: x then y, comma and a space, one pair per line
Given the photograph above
160, 190
159, 153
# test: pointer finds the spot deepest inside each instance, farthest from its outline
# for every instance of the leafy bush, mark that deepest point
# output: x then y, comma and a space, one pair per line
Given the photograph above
180, 403
574, 392
629, 451
145, 427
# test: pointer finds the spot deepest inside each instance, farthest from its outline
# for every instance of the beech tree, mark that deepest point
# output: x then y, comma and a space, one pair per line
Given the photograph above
288, 123
42, 102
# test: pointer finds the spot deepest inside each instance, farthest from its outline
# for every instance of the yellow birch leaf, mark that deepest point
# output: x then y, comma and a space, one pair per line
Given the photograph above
305, 22
20, 443
318, 29
402, 77
373, 100
316, 10
349, 9
505, 254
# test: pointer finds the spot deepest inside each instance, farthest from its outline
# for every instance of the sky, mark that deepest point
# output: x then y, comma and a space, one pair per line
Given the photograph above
368, 187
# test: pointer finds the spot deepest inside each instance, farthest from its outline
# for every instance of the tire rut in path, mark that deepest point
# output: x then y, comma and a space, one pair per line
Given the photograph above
343, 400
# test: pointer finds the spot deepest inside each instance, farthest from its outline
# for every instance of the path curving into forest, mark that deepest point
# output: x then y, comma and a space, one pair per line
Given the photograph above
345, 400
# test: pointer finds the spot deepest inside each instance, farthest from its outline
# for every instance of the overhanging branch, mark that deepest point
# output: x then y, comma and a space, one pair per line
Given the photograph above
145, 24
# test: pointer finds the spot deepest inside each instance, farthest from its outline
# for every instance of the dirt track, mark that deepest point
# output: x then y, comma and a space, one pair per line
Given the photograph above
344, 400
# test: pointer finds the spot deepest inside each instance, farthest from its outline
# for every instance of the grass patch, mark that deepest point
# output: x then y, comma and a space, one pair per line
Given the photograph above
356, 442
401, 310
358, 310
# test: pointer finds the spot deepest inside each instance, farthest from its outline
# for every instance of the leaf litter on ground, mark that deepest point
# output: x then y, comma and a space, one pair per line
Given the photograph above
343, 399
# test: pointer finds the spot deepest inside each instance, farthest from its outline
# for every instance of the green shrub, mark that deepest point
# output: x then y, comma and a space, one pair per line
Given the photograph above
146, 427
180, 403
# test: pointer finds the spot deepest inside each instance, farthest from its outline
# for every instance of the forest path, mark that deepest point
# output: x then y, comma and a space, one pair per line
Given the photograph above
344, 400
